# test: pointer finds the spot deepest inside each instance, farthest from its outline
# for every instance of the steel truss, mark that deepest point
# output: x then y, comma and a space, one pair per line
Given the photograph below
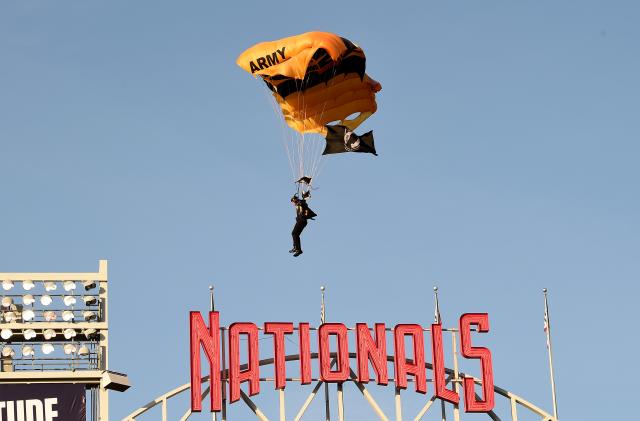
517, 404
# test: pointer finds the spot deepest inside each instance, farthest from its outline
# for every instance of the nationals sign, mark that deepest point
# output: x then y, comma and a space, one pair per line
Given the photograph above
333, 364
42, 402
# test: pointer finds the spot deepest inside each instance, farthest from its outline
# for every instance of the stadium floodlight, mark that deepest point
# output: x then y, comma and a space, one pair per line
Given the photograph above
9, 316
67, 315
49, 334
69, 285
6, 334
50, 316
8, 352
7, 301
29, 334
89, 316
69, 333
50, 286
28, 315
83, 351
28, 299
45, 300
28, 351
69, 300
28, 285
89, 285
90, 300
88, 331
69, 349
47, 348
112, 380
7, 284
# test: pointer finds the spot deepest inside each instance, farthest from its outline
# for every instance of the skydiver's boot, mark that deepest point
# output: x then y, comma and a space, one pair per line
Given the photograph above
293, 250
297, 253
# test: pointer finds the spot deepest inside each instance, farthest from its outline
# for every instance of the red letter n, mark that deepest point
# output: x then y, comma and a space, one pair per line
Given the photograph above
404, 367
376, 352
210, 341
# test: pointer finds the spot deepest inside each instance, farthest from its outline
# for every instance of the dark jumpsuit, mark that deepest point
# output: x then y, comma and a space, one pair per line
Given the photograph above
302, 214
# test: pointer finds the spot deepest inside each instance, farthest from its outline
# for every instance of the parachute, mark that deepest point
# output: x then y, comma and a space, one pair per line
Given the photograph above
316, 80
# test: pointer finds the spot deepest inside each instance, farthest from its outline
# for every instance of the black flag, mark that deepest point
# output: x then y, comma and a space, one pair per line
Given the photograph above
341, 139
305, 180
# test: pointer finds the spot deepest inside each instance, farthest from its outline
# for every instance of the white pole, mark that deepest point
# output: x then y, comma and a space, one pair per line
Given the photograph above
550, 349
326, 386
212, 307
437, 319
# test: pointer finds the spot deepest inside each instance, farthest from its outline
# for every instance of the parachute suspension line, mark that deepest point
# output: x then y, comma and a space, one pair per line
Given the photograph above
301, 95
300, 140
283, 126
319, 161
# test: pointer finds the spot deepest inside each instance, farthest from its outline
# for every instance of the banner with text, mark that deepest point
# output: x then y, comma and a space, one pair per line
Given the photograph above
43, 402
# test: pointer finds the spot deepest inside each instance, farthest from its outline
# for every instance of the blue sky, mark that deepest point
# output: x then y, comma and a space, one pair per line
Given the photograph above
508, 146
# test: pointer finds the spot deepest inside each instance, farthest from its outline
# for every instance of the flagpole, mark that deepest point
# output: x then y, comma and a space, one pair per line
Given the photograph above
326, 386
438, 320
436, 316
550, 349
212, 307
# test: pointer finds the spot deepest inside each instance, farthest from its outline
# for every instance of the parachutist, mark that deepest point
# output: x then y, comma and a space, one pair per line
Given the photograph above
303, 213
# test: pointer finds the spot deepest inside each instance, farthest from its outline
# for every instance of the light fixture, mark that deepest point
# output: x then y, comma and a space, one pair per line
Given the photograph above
89, 316
90, 300
69, 333
69, 285
45, 300
29, 334
28, 285
67, 315
49, 334
50, 286
50, 316
28, 299
7, 284
8, 352
9, 316
28, 351
83, 350
69, 300
47, 348
28, 315
69, 349
89, 285
6, 334
112, 380
7, 301
88, 331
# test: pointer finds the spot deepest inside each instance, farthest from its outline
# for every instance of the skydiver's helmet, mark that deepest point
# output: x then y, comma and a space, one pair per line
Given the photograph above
295, 199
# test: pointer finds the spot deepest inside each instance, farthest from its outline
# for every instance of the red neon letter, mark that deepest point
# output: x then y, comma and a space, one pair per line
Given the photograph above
376, 352
342, 373
305, 353
252, 373
210, 341
278, 330
403, 366
438, 366
471, 404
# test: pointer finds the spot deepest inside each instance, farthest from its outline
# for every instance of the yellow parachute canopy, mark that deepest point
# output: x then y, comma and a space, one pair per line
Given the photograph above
316, 78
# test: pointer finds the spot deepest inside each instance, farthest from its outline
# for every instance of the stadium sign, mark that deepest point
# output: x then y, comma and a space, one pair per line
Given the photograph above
333, 366
42, 402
